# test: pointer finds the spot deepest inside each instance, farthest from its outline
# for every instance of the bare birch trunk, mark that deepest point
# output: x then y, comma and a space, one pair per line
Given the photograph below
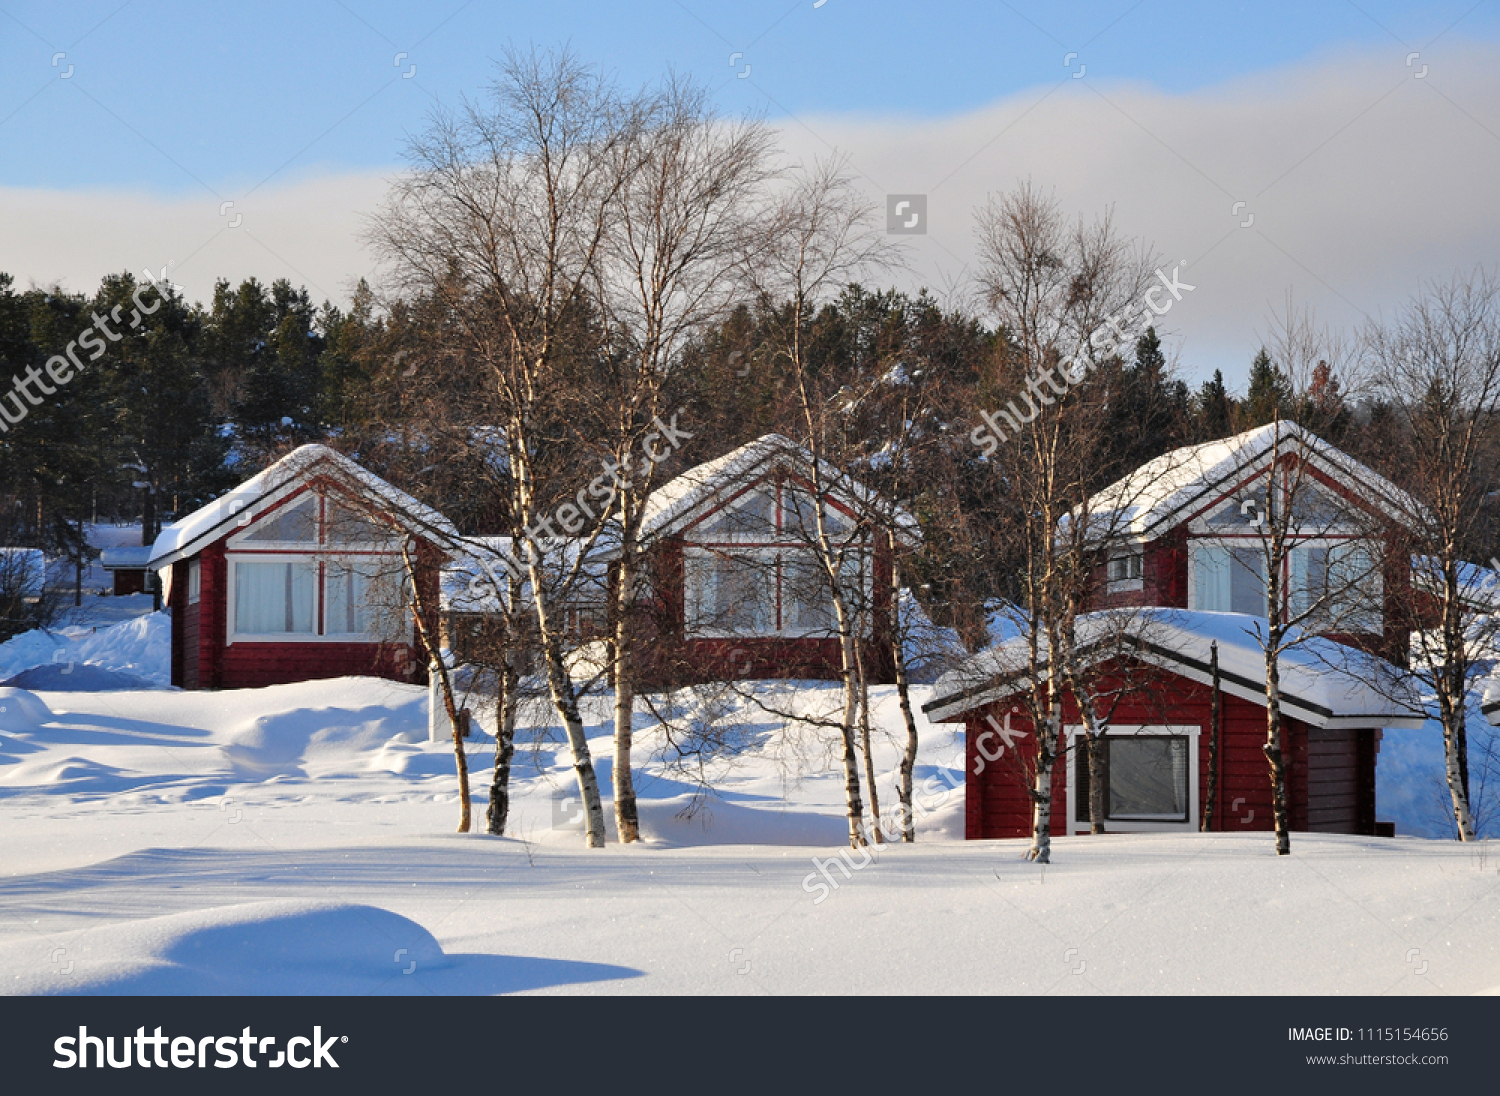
855, 808
1041, 794
445, 684
560, 687
1451, 681
1096, 782
498, 814
627, 821
1453, 718
903, 693
864, 738
1273, 747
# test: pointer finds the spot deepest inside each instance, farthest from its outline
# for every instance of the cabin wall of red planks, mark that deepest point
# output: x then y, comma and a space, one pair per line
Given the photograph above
201, 658
129, 580
1330, 774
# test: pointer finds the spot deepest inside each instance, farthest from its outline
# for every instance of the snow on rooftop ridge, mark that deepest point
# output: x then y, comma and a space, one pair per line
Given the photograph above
1324, 683
681, 499
1161, 491
300, 464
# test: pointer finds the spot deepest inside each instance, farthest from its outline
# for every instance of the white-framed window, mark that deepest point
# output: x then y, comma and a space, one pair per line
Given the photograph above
1124, 572
194, 582
274, 597
772, 512
767, 592
1150, 775
1227, 577
315, 570
310, 598
361, 594
730, 593
1338, 580
1340, 584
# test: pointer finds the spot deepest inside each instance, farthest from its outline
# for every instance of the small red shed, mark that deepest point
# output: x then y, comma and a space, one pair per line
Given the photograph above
736, 589
128, 567
297, 574
1335, 702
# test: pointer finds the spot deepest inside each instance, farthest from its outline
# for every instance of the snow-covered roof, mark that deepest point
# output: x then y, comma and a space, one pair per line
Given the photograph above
1323, 683
1478, 587
476, 579
679, 502
1166, 491
240, 506
126, 558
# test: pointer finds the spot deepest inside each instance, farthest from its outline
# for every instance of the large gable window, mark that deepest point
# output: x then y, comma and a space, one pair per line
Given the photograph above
766, 592
316, 569
752, 568
1336, 584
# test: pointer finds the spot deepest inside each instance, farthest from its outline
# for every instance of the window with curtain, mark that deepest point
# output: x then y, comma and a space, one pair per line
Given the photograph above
359, 597
1146, 779
275, 598
1229, 579
1339, 585
731, 592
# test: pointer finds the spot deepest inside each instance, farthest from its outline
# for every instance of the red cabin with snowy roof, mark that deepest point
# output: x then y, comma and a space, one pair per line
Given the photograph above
1185, 578
736, 589
298, 574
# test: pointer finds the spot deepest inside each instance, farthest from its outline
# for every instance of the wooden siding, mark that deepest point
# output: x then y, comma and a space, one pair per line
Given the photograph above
1330, 774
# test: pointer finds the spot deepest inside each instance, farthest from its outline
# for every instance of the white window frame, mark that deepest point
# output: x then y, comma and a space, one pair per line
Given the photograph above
772, 557
194, 582
320, 560
1077, 748
1130, 583
1255, 542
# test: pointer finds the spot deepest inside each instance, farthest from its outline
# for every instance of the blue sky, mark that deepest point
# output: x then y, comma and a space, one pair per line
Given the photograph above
171, 96
119, 151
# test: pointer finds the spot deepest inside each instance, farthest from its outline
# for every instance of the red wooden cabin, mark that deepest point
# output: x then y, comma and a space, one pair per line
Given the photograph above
1336, 701
736, 591
1185, 568
297, 574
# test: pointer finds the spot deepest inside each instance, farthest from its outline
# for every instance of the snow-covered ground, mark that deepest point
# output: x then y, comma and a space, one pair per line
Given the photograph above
299, 839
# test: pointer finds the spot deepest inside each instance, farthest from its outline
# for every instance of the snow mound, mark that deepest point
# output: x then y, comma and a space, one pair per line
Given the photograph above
721, 823
21, 711
72, 775
303, 947
308, 741
140, 647
70, 677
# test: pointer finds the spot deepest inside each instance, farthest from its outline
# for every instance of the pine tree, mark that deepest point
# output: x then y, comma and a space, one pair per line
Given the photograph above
1270, 395
1215, 410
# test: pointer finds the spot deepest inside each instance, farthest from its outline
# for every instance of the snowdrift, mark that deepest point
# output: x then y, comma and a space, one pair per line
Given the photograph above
291, 946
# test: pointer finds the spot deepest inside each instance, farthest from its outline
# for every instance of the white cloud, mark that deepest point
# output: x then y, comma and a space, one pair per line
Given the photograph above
305, 231
1363, 181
